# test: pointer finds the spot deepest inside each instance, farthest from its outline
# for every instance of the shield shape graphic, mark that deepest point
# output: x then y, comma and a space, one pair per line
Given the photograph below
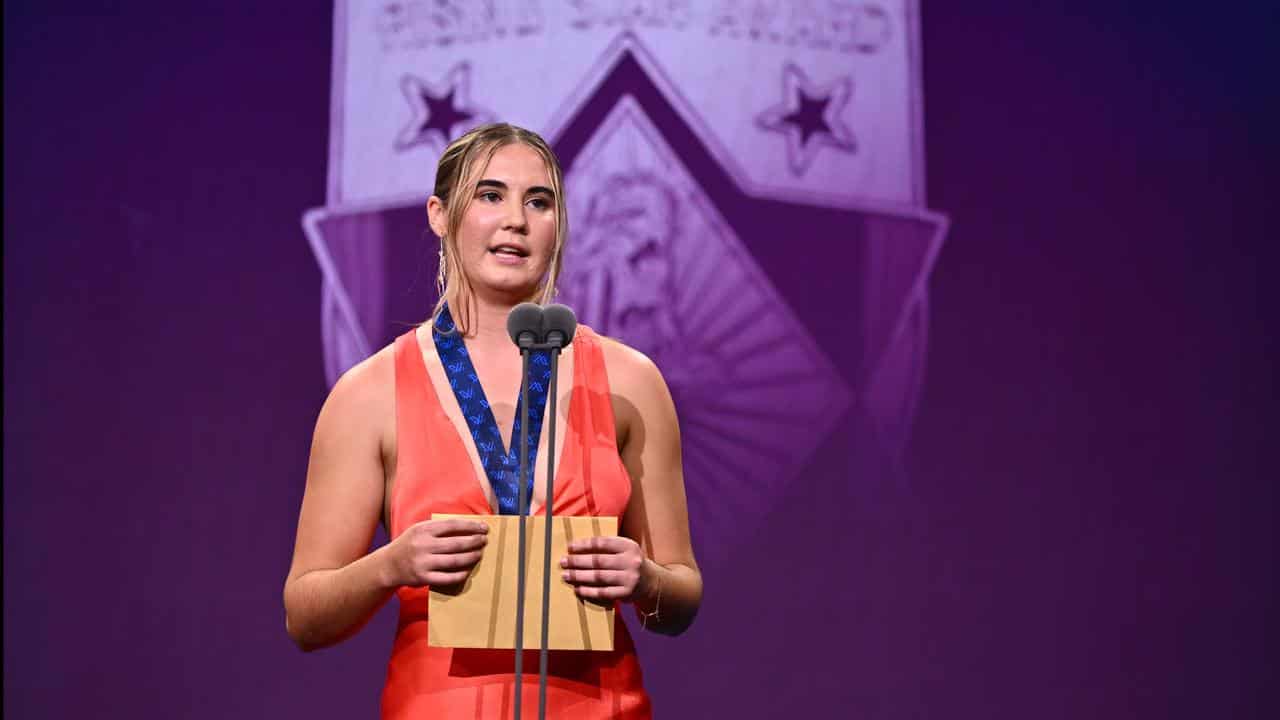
753, 221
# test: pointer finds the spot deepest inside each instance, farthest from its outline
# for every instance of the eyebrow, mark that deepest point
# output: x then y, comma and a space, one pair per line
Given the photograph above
535, 190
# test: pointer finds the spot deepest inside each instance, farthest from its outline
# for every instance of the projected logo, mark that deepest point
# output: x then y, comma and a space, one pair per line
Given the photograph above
735, 177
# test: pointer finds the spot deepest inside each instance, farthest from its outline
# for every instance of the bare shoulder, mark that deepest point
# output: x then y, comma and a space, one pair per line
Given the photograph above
640, 394
364, 396
631, 372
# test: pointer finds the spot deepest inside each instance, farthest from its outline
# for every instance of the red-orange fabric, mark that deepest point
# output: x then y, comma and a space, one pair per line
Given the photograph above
434, 474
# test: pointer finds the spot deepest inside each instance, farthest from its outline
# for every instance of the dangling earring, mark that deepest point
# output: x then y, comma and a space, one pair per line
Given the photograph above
440, 278
440, 266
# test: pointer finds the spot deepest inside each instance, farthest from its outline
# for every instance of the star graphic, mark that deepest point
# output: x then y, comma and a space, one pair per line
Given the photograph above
440, 112
809, 117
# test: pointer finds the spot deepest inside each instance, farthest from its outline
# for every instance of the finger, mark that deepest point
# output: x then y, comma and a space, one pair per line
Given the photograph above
595, 577
603, 562
458, 561
598, 544
456, 526
445, 579
457, 544
593, 592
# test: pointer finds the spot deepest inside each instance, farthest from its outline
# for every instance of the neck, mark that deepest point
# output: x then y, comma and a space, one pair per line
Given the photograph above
488, 321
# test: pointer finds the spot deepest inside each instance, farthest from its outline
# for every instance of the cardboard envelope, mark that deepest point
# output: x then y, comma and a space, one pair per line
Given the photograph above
481, 612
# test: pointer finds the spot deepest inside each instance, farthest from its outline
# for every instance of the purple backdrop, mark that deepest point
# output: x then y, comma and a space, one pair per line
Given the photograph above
1084, 525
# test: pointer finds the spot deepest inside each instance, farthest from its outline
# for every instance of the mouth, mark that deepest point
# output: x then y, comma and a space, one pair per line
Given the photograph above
509, 250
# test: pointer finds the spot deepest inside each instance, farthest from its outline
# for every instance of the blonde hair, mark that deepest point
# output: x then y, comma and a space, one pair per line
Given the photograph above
457, 177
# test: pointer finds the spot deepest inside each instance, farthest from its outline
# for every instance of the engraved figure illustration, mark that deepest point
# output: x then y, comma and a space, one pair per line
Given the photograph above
652, 263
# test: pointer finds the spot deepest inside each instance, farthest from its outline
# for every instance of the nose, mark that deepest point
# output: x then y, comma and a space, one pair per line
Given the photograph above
515, 220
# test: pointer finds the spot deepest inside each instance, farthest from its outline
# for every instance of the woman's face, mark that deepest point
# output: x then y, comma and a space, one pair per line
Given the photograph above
508, 231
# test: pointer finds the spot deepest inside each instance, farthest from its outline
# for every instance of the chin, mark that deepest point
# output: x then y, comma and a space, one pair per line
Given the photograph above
520, 288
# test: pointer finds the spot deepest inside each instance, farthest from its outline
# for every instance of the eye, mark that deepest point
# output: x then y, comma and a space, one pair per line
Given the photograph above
538, 203
490, 196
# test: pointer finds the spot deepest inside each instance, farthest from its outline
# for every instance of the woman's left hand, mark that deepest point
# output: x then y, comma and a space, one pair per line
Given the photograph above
606, 567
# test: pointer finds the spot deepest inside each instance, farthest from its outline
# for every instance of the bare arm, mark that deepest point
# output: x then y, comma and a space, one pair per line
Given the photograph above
658, 516
334, 587
653, 565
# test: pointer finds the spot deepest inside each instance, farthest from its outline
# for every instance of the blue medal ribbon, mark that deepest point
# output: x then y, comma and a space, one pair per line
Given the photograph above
501, 465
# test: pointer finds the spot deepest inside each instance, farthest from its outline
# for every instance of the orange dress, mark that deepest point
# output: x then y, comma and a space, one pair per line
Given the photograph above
434, 474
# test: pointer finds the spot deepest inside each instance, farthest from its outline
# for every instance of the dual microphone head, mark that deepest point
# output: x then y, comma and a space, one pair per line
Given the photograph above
532, 326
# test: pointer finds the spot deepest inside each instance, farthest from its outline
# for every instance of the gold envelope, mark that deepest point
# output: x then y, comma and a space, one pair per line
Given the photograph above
481, 612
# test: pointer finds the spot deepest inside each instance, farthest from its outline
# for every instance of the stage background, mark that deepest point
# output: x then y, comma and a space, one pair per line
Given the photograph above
1083, 525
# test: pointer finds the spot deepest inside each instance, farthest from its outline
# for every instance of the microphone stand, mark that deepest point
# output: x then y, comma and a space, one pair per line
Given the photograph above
547, 504
556, 337
522, 507
525, 503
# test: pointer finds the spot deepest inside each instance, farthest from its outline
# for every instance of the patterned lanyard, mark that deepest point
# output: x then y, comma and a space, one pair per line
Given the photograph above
502, 468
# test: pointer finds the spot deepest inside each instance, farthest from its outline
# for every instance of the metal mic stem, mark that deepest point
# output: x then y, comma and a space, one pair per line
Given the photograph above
523, 499
546, 552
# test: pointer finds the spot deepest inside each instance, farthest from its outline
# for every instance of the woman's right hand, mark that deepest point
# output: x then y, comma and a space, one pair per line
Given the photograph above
437, 552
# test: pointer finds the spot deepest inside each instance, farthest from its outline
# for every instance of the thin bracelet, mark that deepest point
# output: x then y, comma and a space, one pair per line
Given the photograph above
657, 607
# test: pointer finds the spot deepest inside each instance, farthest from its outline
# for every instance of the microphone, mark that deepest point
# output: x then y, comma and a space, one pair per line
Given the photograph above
559, 325
533, 327
525, 323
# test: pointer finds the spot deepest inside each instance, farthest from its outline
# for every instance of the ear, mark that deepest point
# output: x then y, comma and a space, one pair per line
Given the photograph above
437, 216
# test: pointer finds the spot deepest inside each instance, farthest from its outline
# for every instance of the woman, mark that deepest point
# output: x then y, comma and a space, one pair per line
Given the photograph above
392, 443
